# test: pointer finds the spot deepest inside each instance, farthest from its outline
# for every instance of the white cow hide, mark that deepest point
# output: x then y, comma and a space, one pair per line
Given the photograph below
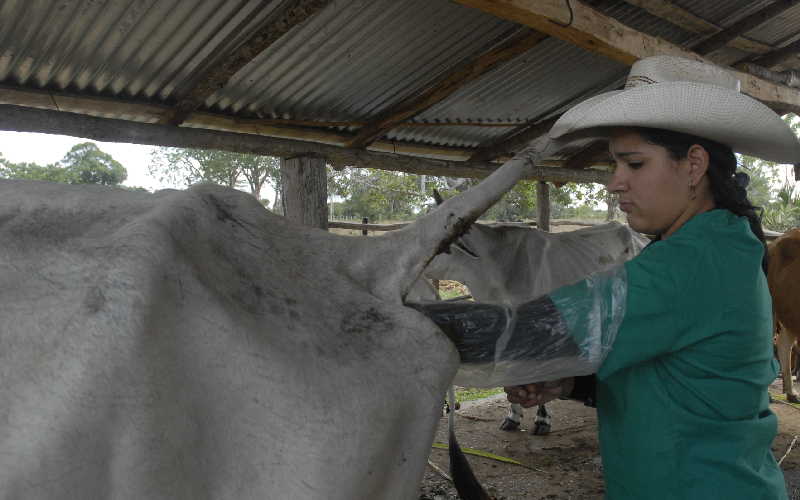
515, 264
191, 345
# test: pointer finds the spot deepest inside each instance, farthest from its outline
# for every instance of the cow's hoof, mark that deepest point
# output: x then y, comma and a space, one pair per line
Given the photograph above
541, 428
792, 398
509, 425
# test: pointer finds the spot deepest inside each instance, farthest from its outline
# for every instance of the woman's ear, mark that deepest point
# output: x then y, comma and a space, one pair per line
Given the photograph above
698, 159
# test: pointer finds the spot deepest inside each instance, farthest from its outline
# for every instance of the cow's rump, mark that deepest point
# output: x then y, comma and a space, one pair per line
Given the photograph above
189, 344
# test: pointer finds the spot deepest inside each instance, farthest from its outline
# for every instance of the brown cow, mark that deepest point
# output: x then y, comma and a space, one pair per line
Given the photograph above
784, 285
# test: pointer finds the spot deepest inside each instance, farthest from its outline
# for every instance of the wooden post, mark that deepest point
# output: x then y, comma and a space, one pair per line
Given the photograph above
543, 205
304, 190
612, 201
364, 231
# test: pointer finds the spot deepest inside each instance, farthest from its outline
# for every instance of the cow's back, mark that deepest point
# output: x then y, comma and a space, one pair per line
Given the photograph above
515, 264
192, 345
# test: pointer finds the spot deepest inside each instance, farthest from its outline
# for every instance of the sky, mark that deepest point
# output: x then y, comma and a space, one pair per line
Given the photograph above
46, 148
20, 147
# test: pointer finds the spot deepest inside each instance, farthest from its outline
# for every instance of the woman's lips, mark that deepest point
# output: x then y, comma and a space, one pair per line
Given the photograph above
625, 206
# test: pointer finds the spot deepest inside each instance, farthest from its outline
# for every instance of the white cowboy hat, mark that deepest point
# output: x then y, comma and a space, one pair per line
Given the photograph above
686, 96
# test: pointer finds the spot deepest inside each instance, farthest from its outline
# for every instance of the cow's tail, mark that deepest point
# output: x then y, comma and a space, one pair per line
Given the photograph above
413, 247
464, 479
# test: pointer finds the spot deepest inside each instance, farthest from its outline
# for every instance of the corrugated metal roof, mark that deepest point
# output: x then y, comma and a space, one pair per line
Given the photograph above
722, 12
115, 47
780, 30
349, 62
448, 136
533, 84
641, 20
367, 56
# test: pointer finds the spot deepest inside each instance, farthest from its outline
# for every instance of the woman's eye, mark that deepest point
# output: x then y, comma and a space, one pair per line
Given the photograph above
635, 164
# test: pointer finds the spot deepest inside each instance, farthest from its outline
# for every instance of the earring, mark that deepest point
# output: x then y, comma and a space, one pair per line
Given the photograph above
692, 191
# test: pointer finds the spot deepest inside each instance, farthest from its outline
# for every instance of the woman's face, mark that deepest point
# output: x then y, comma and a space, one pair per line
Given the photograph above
653, 188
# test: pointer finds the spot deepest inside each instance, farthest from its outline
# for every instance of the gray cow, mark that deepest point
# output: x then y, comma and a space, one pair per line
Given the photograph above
189, 344
510, 264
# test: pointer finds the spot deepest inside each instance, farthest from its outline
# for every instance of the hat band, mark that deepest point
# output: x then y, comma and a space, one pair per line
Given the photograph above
638, 80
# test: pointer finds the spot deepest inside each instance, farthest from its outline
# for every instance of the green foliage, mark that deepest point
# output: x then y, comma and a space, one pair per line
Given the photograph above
778, 197
762, 176
33, 172
85, 163
381, 194
517, 204
784, 213
184, 167
469, 394
520, 202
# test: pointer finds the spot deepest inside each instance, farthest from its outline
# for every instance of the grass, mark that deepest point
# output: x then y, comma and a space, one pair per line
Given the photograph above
451, 289
469, 394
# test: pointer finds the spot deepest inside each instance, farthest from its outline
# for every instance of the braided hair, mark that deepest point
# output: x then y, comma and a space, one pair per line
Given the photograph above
728, 187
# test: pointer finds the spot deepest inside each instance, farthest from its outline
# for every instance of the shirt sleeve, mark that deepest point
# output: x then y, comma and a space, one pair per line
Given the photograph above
660, 283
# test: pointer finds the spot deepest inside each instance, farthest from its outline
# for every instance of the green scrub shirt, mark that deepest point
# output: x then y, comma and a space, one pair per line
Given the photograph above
682, 398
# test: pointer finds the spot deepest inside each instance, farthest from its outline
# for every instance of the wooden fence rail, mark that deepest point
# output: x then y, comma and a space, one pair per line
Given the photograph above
364, 228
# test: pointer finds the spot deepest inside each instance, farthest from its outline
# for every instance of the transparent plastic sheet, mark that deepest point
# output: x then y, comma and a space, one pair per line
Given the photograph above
566, 333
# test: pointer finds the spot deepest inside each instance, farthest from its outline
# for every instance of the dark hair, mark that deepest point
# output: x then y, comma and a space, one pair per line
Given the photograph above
728, 187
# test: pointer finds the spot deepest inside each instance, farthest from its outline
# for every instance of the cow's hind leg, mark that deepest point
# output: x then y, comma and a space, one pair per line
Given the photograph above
541, 424
513, 419
785, 342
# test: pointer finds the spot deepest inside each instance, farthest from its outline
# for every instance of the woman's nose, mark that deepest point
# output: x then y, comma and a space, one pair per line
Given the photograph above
617, 183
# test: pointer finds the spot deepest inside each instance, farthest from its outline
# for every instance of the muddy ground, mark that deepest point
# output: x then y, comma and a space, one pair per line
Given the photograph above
564, 464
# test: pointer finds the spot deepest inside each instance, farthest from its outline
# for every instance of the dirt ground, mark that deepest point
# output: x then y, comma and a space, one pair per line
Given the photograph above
564, 464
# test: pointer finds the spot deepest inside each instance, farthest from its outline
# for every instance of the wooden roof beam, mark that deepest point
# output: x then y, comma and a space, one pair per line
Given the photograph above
513, 141
143, 112
684, 19
744, 25
23, 119
295, 12
596, 32
464, 73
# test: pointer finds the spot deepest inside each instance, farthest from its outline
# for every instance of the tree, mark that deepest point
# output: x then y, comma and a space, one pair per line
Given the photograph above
762, 175
85, 163
32, 171
381, 194
184, 167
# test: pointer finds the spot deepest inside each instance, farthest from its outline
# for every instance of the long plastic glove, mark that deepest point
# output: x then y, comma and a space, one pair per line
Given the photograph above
566, 333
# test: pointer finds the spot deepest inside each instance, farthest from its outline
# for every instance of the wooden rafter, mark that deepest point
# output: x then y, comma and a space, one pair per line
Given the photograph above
596, 32
292, 14
154, 113
445, 86
23, 119
778, 56
744, 25
684, 19
513, 141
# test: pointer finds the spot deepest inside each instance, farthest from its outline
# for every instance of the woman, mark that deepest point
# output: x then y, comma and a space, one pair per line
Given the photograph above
682, 398
679, 338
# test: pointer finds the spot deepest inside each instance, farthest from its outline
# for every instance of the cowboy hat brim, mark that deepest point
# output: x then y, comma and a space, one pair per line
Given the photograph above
704, 110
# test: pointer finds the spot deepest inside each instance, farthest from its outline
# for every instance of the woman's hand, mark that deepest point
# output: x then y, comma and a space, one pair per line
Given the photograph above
539, 393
